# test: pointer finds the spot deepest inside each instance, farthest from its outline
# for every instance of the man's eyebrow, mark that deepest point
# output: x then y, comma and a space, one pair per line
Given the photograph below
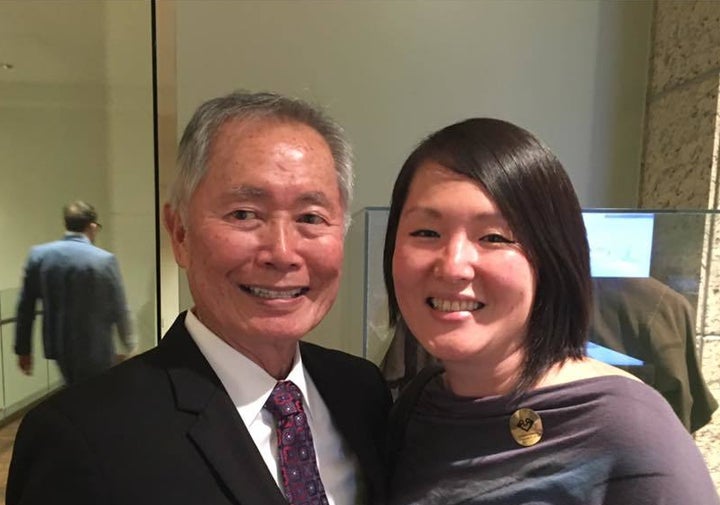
246, 192
314, 198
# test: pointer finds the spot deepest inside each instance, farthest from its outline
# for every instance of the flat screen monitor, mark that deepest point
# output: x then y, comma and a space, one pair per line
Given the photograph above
620, 243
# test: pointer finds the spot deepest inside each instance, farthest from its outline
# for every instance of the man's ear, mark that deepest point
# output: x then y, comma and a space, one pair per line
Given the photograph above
176, 229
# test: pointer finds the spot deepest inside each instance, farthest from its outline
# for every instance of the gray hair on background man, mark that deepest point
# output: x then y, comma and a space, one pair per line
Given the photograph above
193, 150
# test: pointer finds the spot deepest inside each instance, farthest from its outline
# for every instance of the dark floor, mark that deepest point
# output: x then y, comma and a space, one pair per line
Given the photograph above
7, 438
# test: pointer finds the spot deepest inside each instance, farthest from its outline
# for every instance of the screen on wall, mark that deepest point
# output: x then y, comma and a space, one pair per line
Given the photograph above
620, 243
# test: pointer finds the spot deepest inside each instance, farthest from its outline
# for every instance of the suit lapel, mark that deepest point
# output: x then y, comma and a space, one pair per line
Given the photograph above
218, 432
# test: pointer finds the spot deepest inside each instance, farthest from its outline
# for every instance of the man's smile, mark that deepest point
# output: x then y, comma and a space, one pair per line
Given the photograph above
273, 293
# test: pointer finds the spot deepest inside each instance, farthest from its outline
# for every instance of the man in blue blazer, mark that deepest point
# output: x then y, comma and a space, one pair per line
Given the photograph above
257, 218
82, 300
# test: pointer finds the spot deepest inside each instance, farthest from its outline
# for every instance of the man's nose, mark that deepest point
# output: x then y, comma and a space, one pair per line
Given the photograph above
280, 246
457, 260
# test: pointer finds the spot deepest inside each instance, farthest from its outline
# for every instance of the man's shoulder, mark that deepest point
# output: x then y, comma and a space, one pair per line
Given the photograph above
129, 387
141, 382
90, 248
68, 245
40, 249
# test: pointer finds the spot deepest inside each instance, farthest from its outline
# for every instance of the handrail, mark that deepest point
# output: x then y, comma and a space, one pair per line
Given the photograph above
14, 319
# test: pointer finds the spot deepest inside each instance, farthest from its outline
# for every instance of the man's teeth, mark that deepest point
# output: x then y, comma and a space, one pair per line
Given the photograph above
273, 294
454, 305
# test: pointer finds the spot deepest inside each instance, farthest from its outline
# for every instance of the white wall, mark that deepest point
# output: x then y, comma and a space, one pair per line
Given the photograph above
46, 162
130, 159
393, 71
52, 130
573, 72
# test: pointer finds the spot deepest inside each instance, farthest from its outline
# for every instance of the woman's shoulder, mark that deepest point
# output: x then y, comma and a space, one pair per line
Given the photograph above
613, 390
630, 416
586, 368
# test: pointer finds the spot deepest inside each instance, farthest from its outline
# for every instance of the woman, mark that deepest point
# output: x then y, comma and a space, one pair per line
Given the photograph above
487, 264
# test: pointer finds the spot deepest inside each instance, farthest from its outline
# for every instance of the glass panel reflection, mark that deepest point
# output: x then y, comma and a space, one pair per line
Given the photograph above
76, 122
656, 283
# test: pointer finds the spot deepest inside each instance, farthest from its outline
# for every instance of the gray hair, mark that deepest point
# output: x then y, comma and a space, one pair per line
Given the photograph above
194, 147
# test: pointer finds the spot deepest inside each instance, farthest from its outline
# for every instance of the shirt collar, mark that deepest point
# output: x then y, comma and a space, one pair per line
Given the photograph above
76, 235
247, 384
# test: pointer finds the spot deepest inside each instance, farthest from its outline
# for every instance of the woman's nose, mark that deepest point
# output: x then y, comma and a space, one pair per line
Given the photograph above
457, 261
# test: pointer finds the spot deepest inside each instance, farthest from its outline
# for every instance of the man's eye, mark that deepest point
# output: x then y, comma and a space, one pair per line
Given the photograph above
496, 238
424, 233
311, 219
243, 215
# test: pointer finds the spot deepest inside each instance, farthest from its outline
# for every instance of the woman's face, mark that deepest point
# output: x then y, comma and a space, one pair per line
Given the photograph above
465, 288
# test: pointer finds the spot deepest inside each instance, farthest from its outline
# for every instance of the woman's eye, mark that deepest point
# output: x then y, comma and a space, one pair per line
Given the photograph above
424, 233
496, 238
243, 215
311, 219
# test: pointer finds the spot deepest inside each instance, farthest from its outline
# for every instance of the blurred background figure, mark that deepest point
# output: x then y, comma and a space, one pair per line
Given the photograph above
646, 319
82, 300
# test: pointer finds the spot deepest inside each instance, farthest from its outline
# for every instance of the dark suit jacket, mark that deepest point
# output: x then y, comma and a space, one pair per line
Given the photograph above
160, 429
83, 298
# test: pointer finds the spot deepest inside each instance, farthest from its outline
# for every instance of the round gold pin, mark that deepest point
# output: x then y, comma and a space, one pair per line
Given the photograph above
526, 427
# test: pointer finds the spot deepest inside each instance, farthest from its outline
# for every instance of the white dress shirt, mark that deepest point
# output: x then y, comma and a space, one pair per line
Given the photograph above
249, 386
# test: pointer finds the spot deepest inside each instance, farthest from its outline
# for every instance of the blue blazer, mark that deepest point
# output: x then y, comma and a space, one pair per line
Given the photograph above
82, 296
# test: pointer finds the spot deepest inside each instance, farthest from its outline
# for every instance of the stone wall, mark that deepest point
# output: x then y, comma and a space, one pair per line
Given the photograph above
680, 158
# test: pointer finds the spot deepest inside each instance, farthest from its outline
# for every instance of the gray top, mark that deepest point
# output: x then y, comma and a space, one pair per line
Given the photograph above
607, 441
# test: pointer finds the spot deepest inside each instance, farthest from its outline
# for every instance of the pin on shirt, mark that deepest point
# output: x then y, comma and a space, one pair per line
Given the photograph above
526, 427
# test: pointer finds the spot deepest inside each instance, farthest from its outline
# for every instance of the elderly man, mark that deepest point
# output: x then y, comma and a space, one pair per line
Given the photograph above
230, 408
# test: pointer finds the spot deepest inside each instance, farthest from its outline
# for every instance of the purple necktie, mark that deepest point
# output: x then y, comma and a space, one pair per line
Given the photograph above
298, 466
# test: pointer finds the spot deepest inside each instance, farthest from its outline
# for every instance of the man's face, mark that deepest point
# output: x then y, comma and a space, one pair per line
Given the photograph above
262, 242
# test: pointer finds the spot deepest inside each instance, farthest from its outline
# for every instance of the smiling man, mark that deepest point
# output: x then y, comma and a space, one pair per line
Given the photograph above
231, 407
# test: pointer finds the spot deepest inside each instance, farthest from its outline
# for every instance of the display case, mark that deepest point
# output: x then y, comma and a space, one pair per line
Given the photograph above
656, 292
672, 247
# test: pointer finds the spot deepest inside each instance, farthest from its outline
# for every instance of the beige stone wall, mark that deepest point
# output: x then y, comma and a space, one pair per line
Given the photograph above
708, 438
680, 148
682, 104
686, 42
680, 157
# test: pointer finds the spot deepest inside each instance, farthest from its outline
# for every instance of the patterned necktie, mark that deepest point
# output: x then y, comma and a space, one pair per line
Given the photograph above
298, 466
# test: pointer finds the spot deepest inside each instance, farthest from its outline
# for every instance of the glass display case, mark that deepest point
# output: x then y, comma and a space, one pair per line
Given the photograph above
672, 247
656, 292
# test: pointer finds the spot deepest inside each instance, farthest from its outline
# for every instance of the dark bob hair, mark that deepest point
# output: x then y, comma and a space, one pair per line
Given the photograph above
535, 196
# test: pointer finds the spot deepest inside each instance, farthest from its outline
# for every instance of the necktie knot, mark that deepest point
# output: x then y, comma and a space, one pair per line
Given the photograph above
285, 400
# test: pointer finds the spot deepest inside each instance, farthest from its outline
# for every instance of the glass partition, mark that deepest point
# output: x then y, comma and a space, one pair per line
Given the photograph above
76, 122
656, 298
18, 389
673, 248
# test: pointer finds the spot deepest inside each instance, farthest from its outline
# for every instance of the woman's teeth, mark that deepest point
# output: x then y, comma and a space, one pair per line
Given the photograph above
453, 305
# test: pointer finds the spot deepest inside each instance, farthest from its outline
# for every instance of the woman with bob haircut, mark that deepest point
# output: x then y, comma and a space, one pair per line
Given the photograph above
486, 264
